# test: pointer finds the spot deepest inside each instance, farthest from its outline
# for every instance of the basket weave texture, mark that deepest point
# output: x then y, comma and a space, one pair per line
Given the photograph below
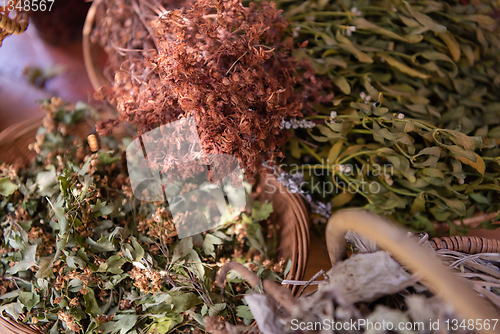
12, 26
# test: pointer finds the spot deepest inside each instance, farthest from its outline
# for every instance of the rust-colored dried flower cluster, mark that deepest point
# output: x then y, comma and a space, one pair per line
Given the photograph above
161, 226
229, 67
147, 280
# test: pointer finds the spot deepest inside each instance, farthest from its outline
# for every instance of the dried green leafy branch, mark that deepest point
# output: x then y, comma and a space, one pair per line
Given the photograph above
418, 105
402, 166
80, 254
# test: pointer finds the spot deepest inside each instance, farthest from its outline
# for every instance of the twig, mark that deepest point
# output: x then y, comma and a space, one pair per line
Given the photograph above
472, 221
237, 60
292, 282
321, 272
145, 23
306, 142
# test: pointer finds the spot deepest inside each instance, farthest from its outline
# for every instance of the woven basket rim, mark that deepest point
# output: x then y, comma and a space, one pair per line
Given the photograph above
95, 75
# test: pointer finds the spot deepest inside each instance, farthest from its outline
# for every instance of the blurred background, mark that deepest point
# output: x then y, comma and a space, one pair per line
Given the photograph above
44, 61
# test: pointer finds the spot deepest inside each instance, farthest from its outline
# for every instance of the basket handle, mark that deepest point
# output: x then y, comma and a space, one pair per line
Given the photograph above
407, 251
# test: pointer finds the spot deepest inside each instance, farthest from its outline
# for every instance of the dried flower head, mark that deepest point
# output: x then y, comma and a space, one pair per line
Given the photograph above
229, 67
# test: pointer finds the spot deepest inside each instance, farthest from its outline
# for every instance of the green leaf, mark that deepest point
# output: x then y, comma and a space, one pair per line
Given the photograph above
114, 264
209, 244
361, 23
85, 167
243, 311
106, 158
100, 208
485, 21
294, 148
327, 132
46, 268
468, 143
436, 151
47, 182
455, 205
478, 164
402, 67
194, 262
410, 126
459, 152
103, 245
28, 261
341, 83
379, 134
342, 199
334, 152
434, 172
12, 309
182, 249
425, 20
418, 204
10, 295
91, 306
162, 326
122, 323
7, 188
215, 309
347, 45
452, 44
183, 301
29, 299
263, 212
478, 198
138, 249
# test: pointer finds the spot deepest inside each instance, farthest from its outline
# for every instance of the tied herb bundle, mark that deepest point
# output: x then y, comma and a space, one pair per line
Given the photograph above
227, 65
80, 254
416, 110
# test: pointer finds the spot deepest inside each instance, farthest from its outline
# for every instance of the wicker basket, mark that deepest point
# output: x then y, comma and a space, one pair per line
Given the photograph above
417, 259
289, 210
12, 24
92, 52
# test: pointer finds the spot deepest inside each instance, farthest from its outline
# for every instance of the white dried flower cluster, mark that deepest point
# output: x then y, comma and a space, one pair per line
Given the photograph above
388, 180
349, 30
293, 183
295, 31
401, 116
345, 169
296, 124
322, 209
356, 11
364, 97
333, 114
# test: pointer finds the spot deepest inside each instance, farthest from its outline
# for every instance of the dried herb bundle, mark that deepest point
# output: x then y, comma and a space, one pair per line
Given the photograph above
80, 254
416, 111
227, 65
